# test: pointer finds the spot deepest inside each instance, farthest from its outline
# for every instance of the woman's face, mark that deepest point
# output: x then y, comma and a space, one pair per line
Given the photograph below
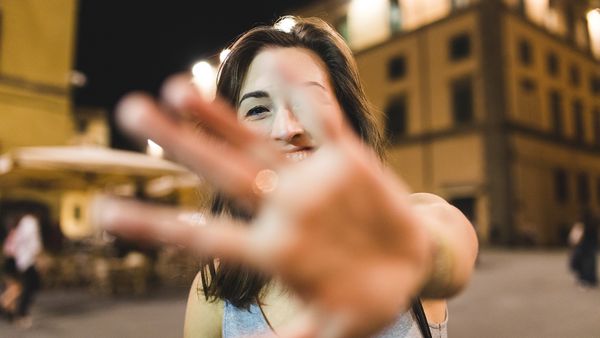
283, 90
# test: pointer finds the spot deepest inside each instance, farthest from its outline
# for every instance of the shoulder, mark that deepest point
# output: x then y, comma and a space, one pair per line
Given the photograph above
436, 311
434, 204
424, 198
202, 318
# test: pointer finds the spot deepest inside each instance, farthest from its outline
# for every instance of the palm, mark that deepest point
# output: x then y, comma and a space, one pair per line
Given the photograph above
339, 253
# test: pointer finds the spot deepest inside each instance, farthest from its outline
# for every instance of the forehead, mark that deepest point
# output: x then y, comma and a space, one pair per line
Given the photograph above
275, 65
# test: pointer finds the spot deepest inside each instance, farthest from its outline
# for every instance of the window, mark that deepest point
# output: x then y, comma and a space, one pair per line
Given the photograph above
528, 102
397, 67
528, 85
396, 112
583, 188
395, 17
597, 126
556, 112
595, 85
460, 47
462, 100
578, 121
77, 212
467, 205
575, 76
525, 52
552, 65
561, 186
458, 4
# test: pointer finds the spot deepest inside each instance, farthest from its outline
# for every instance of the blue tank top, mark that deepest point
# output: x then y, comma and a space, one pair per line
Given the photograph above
247, 322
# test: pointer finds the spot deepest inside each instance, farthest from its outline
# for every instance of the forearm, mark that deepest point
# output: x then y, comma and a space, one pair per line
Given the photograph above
454, 246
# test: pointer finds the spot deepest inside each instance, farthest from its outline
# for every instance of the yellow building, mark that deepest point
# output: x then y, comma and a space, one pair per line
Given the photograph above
36, 58
494, 105
37, 50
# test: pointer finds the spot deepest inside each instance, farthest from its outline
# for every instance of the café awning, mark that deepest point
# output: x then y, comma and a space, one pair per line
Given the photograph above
81, 167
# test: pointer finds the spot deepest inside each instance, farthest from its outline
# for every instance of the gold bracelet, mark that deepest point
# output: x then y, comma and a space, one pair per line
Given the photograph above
439, 283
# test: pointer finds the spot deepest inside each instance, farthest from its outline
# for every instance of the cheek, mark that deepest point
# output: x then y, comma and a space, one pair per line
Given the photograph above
262, 127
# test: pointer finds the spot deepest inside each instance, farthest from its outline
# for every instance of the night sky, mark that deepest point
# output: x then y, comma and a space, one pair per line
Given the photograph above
134, 45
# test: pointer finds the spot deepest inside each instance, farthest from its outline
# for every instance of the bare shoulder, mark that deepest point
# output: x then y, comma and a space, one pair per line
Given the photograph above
424, 198
435, 310
435, 205
202, 318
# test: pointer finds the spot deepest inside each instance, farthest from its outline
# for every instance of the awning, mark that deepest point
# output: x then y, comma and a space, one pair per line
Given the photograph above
81, 167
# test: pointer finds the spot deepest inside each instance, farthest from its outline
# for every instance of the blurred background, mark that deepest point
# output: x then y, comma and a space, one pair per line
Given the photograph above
492, 104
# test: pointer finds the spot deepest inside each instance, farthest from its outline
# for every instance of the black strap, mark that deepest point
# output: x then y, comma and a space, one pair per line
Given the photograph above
417, 309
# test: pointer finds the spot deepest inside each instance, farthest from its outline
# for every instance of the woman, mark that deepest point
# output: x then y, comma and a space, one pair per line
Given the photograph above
584, 239
350, 244
23, 245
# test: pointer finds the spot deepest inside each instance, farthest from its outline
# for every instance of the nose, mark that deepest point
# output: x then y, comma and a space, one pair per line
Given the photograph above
286, 126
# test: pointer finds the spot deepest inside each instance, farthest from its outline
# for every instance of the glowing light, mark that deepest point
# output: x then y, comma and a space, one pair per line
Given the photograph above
205, 77
286, 24
6, 164
154, 149
77, 78
555, 22
416, 13
365, 24
224, 54
362, 5
202, 69
593, 20
537, 10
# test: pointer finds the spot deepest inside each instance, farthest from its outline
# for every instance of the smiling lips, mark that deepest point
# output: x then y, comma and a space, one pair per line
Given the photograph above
298, 154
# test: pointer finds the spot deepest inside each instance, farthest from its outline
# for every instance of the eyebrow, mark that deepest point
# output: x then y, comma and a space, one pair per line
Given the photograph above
313, 83
256, 94
261, 93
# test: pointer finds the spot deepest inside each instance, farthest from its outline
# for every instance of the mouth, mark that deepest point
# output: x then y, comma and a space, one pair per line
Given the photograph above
299, 154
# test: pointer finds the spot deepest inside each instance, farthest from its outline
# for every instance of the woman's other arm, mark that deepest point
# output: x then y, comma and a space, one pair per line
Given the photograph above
455, 245
202, 318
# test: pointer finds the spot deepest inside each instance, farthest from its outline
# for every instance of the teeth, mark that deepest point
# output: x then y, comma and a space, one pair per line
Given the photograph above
297, 156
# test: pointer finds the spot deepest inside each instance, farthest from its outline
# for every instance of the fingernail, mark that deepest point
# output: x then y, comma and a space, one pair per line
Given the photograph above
131, 112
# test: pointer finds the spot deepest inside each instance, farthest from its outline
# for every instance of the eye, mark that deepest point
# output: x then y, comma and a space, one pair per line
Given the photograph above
257, 112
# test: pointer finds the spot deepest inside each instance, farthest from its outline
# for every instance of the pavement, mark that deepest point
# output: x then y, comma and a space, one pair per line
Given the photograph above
525, 294
512, 294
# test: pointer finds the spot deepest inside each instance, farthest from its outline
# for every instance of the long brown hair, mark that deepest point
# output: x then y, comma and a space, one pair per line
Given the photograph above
239, 285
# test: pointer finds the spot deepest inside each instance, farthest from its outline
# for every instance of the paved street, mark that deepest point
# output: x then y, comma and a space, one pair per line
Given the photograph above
525, 294
513, 294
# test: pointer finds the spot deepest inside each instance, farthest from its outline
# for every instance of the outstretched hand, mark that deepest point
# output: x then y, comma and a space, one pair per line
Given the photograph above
336, 227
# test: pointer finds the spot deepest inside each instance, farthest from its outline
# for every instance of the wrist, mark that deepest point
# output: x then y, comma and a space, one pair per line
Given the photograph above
438, 282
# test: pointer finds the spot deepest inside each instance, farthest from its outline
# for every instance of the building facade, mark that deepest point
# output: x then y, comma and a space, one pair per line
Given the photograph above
36, 57
493, 105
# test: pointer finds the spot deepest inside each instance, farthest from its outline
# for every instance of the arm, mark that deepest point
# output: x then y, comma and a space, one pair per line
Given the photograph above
202, 319
455, 245
346, 238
